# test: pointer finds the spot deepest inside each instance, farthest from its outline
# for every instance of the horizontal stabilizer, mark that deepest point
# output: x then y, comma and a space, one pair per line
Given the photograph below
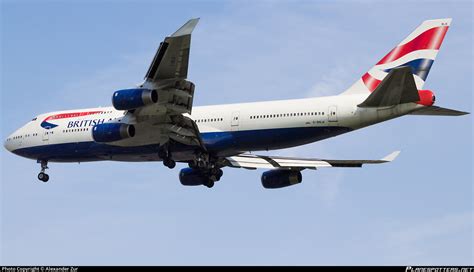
434, 110
397, 87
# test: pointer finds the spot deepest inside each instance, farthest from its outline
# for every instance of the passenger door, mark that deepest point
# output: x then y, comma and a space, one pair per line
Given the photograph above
332, 114
46, 136
235, 120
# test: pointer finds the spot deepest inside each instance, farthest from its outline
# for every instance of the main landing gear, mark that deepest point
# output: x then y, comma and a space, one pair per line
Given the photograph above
166, 156
42, 175
208, 167
170, 163
214, 175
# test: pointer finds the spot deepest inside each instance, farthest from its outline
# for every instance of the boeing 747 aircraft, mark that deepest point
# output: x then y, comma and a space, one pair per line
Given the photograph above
156, 121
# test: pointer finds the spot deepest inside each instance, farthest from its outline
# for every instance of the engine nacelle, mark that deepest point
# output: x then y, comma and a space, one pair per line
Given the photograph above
111, 132
274, 179
192, 177
427, 98
133, 98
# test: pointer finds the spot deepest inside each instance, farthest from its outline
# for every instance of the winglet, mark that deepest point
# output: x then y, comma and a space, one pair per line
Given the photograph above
187, 28
392, 156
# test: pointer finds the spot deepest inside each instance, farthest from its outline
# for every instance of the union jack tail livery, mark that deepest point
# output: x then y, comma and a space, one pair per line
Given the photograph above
418, 51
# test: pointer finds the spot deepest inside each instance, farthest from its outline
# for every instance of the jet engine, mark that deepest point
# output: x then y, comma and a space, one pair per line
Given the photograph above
111, 132
133, 98
274, 179
192, 177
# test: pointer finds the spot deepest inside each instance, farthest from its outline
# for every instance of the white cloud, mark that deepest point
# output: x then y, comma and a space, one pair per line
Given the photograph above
328, 187
334, 82
416, 240
415, 233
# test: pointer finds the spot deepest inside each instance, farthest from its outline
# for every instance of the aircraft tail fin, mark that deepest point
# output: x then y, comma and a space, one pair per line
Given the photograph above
417, 51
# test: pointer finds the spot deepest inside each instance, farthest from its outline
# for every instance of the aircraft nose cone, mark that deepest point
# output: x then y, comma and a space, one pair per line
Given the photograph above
7, 144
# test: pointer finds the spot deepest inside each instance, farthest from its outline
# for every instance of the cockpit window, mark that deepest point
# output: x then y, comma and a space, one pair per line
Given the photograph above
34, 119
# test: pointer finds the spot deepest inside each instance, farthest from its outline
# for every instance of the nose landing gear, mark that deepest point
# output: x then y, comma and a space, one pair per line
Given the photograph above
42, 175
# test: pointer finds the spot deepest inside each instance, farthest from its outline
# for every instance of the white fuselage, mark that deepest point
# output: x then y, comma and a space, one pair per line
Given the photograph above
251, 126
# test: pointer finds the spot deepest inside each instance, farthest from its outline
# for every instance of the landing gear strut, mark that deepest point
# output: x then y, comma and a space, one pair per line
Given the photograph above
42, 175
166, 156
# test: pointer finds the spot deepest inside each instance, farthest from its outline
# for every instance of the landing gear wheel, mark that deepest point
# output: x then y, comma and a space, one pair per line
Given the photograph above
220, 173
43, 177
192, 164
216, 173
210, 183
202, 160
201, 164
165, 154
169, 163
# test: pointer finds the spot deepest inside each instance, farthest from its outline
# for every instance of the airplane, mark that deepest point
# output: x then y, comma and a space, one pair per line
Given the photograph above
156, 120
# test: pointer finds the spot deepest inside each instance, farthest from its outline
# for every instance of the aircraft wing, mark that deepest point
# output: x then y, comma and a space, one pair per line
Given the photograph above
167, 119
250, 161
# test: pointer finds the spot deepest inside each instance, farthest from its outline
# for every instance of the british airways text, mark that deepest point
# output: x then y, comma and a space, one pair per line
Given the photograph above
85, 123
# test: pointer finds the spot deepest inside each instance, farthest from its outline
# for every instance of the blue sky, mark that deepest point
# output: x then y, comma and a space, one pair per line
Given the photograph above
62, 55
